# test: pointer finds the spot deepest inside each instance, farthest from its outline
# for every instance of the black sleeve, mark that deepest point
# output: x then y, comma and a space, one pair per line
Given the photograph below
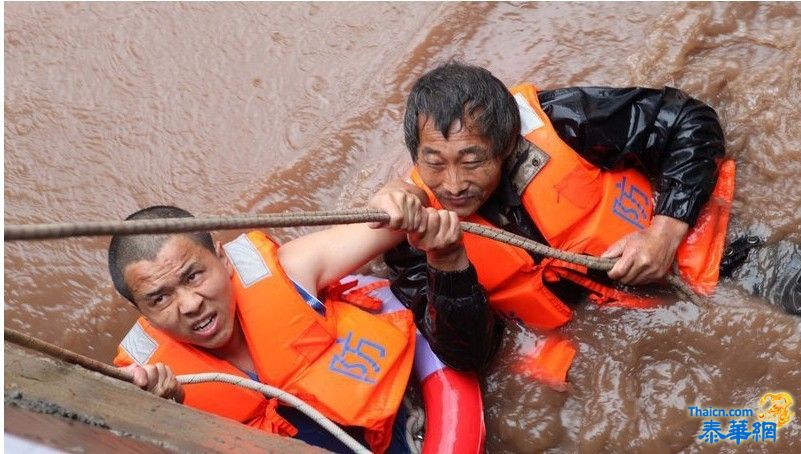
673, 138
455, 317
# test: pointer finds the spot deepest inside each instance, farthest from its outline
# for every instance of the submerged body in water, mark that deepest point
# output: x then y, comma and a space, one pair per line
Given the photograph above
771, 272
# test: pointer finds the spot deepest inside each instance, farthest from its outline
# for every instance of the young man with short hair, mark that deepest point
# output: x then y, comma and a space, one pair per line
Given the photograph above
255, 309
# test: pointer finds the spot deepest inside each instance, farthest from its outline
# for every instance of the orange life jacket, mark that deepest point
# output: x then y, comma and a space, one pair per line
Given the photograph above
582, 209
350, 365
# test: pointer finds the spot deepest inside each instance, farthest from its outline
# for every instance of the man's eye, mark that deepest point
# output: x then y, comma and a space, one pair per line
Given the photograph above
192, 276
157, 301
473, 164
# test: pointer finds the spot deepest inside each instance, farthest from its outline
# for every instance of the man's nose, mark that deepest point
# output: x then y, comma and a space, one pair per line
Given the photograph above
189, 302
454, 182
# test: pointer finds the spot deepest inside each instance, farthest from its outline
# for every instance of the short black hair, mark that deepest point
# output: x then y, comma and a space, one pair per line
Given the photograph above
456, 91
126, 249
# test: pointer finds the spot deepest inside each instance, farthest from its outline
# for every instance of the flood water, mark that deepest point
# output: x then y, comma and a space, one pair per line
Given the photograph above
232, 108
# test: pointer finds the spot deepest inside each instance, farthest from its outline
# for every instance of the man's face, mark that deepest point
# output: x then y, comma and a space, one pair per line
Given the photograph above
186, 292
461, 170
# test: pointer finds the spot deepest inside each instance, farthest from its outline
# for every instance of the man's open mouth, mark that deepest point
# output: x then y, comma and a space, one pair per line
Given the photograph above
205, 323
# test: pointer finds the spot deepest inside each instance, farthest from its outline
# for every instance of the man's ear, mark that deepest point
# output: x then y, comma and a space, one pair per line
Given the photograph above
224, 258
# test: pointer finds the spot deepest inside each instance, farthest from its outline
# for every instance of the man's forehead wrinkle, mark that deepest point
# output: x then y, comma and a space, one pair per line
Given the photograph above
146, 276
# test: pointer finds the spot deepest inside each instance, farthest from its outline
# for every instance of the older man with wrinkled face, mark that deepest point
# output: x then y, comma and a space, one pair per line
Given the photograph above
465, 133
461, 169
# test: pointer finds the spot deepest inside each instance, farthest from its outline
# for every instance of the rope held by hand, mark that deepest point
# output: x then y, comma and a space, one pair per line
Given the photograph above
310, 218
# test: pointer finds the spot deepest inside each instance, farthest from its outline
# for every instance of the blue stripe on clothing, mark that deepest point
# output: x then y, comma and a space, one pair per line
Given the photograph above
310, 299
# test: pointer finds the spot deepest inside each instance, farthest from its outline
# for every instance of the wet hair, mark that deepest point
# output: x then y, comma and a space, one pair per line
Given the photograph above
456, 91
126, 249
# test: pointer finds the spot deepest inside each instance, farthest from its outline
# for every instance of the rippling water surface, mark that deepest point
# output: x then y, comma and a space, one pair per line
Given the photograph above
229, 108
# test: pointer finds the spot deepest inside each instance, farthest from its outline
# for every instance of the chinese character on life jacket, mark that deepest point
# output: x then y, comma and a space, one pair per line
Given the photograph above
630, 204
359, 362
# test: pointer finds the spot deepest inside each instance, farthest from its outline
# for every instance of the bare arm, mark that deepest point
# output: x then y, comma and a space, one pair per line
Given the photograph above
321, 258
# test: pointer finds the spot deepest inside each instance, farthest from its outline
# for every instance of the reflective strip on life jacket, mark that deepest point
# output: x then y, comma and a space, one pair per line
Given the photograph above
240, 404
577, 206
138, 344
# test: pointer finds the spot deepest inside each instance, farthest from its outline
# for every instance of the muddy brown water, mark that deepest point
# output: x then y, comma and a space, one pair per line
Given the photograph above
229, 108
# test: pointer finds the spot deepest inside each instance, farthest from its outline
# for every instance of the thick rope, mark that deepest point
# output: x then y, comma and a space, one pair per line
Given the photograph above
49, 349
175, 225
594, 263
